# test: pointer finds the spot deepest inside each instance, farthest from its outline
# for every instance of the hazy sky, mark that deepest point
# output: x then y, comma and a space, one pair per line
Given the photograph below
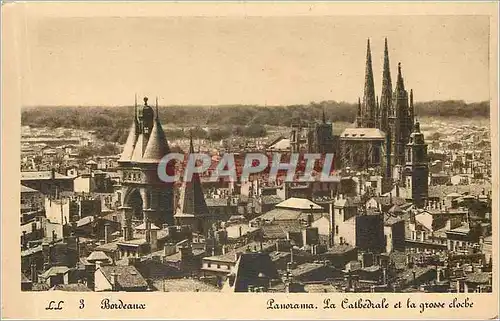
253, 60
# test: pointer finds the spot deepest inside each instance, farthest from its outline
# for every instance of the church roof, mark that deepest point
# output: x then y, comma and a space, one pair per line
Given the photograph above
128, 150
157, 146
362, 134
299, 204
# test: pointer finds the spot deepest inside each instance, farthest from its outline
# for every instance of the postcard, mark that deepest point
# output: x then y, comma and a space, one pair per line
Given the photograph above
247, 160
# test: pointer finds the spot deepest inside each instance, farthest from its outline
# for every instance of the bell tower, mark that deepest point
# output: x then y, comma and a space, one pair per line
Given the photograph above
144, 197
416, 169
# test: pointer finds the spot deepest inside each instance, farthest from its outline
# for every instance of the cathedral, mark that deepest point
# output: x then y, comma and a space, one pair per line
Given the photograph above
385, 135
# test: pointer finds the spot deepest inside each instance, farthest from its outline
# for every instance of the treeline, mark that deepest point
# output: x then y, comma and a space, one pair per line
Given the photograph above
453, 108
112, 123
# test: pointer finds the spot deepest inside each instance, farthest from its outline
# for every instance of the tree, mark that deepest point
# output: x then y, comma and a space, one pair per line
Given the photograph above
108, 149
254, 131
217, 134
87, 151
435, 136
199, 132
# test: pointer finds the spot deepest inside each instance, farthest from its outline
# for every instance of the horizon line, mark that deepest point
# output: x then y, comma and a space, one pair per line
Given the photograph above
248, 104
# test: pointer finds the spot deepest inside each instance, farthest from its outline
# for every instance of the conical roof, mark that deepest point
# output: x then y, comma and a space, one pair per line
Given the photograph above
157, 146
192, 199
128, 150
138, 149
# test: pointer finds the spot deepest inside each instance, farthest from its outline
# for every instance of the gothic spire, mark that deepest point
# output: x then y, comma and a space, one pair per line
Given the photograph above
400, 85
412, 109
386, 96
369, 91
192, 199
157, 113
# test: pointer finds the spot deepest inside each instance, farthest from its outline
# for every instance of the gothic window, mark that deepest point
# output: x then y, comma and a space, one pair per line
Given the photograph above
336, 229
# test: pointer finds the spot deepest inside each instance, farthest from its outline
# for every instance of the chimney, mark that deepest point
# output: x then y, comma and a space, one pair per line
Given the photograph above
237, 256
107, 234
34, 274
148, 230
114, 281
154, 240
128, 230
90, 275
309, 219
24, 241
124, 232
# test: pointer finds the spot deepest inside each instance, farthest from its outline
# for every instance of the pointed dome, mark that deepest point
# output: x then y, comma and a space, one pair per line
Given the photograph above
157, 146
128, 150
139, 148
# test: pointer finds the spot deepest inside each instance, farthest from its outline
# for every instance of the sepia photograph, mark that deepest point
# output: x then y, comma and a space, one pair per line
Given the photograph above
329, 154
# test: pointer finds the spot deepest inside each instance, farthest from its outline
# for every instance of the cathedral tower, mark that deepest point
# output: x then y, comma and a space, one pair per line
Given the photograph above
416, 169
399, 120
